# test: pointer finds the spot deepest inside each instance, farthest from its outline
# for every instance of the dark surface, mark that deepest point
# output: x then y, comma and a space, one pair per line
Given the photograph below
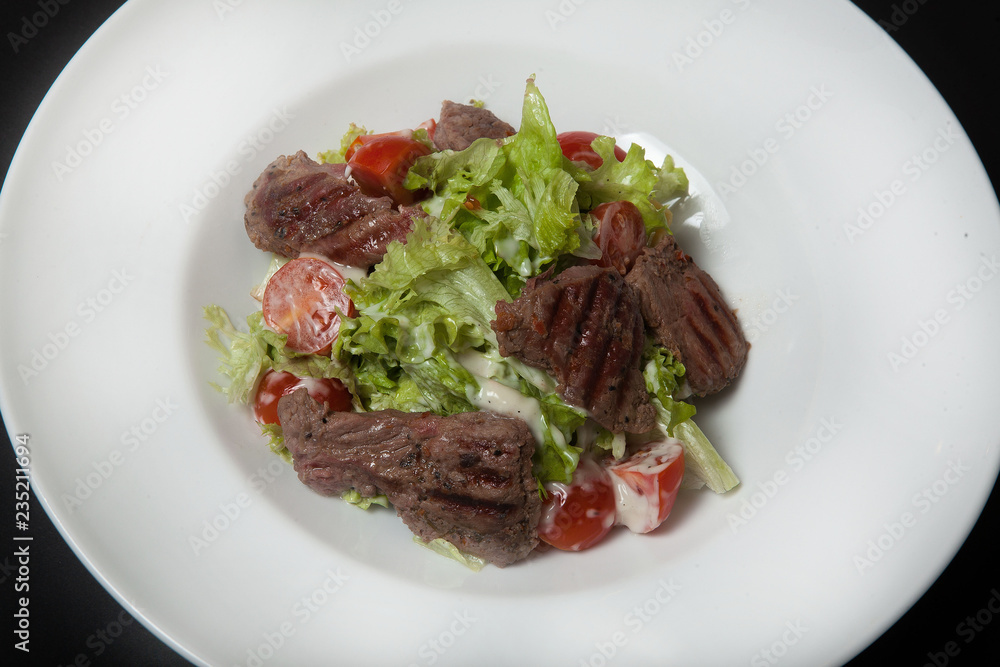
72, 617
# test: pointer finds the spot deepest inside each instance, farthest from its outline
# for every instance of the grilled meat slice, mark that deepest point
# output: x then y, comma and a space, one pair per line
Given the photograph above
298, 205
583, 327
688, 315
461, 124
466, 477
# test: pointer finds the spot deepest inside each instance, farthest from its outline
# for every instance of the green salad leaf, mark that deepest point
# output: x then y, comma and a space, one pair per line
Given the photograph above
248, 354
428, 299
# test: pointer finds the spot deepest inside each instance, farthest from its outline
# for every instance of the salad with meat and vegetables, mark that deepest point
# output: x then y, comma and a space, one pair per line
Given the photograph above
490, 330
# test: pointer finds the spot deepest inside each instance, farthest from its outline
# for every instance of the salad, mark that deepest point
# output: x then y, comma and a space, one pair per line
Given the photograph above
528, 273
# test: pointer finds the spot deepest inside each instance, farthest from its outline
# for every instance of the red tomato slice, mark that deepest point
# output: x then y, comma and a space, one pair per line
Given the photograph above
646, 484
577, 516
301, 300
621, 234
430, 125
576, 147
276, 384
379, 163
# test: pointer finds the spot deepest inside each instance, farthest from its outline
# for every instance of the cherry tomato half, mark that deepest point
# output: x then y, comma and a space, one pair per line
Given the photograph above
430, 125
276, 384
379, 163
576, 147
646, 484
621, 234
577, 516
301, 300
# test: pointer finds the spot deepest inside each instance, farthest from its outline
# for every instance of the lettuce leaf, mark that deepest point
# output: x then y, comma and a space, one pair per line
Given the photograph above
702, 462
247, 355
511, 199
364, 502
443, 547
672, 182
663, 376
632, 179
456, 177
427, 300
336, 156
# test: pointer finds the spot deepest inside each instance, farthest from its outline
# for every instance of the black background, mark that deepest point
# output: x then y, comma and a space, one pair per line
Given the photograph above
956, 43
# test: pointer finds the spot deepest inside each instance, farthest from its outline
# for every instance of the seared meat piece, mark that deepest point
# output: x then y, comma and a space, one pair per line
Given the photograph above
466, 477
461, 124
688, 315
584, 327
297, 205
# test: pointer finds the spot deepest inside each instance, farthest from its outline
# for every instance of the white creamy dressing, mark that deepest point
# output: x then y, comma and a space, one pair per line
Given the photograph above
587, 473
354, 273
639, 510
498, 397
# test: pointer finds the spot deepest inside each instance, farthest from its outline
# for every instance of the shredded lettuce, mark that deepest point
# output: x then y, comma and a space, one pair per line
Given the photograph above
445, 548
364, 502
512, 199
663, 376
276, 441
672, 183
634, 179
556, 457
427, 300
249, 354
336, 156
702, 463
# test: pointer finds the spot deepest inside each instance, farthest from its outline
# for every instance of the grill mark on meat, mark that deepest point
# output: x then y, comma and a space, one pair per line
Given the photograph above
583, 327
592, 354
466, 478
687, 314
462, 504
297, 205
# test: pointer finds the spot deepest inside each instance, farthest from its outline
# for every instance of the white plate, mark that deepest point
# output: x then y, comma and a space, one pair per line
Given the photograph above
863, 427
